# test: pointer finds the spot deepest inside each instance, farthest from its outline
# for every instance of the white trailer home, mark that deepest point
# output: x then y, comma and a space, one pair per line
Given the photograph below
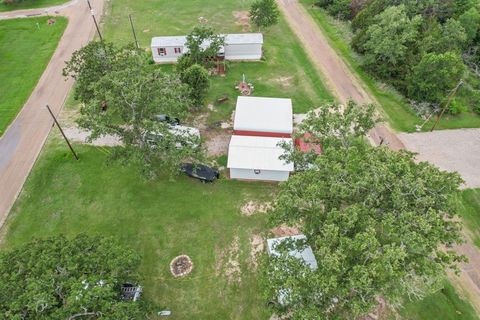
268, 117
238, 47
258, 158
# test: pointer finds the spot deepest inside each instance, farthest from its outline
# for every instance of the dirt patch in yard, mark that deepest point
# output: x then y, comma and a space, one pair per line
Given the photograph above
200, 121
256, 248
285, 231
242, 19
228, 262
380, 311
252, 207
216, 142
284, 82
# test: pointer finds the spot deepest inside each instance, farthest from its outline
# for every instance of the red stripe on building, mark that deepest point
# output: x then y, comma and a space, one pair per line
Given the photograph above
261, 134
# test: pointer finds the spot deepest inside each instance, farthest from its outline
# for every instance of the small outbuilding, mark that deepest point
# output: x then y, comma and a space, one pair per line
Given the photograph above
258, 158
306, 254
266, 117
238, 47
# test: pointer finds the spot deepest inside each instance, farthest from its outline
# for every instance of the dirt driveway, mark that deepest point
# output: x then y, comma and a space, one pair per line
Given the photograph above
450, 150
337, 76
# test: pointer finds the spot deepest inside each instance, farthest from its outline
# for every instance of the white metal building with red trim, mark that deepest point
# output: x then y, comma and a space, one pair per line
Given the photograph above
260, 116
261, 126
258, 158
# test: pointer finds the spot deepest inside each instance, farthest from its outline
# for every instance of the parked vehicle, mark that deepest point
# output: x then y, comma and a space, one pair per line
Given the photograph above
168, 119
201, 172
185, 135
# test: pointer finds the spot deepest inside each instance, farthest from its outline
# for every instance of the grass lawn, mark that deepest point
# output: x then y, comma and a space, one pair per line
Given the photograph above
395, 107
30, 4
25, 51
445, 305
470, 211
161, 219
285, 72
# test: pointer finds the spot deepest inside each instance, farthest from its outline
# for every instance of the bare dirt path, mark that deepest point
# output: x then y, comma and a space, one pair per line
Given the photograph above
468, 280
23, 140
345, 85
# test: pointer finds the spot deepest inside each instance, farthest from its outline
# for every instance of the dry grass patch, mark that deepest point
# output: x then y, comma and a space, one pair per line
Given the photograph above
253, 207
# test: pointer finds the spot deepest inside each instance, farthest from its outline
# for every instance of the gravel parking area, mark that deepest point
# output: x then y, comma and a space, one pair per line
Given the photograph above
450, 150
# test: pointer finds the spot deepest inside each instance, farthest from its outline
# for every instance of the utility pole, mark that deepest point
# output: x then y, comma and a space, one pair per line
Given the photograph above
450, 97
61, 131
92, 12
133, 31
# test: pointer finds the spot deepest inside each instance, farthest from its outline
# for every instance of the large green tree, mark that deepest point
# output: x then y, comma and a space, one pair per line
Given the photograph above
58, 278
331, 125
90, 64
470, 21
435, 76
203, 44
197, 78
379, 224
390, 43
125, 101
264, 13
338, 125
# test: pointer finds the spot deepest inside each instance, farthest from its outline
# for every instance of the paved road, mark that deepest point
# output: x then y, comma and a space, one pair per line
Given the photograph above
23, 140
340, 80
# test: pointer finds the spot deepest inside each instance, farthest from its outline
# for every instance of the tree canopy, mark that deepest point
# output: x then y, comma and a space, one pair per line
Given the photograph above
389, 41
379, 224
331, 125
264, 13
197, 78
125, 99
338, 125
60, 278
435, 76
395, 36
203, 44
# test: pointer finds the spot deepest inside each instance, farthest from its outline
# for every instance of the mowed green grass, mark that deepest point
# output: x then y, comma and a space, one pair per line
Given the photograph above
395, 107
30, 4
470, 211
160, 219
444, 305
285, 72
25, 50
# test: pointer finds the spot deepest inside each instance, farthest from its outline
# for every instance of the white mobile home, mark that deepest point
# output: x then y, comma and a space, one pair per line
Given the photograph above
257, 116
258, 158
240, 46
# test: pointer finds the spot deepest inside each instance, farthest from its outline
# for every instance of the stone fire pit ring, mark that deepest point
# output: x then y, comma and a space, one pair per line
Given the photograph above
181, 266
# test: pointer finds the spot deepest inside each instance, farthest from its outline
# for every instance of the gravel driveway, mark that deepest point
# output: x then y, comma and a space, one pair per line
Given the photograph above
450, 150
